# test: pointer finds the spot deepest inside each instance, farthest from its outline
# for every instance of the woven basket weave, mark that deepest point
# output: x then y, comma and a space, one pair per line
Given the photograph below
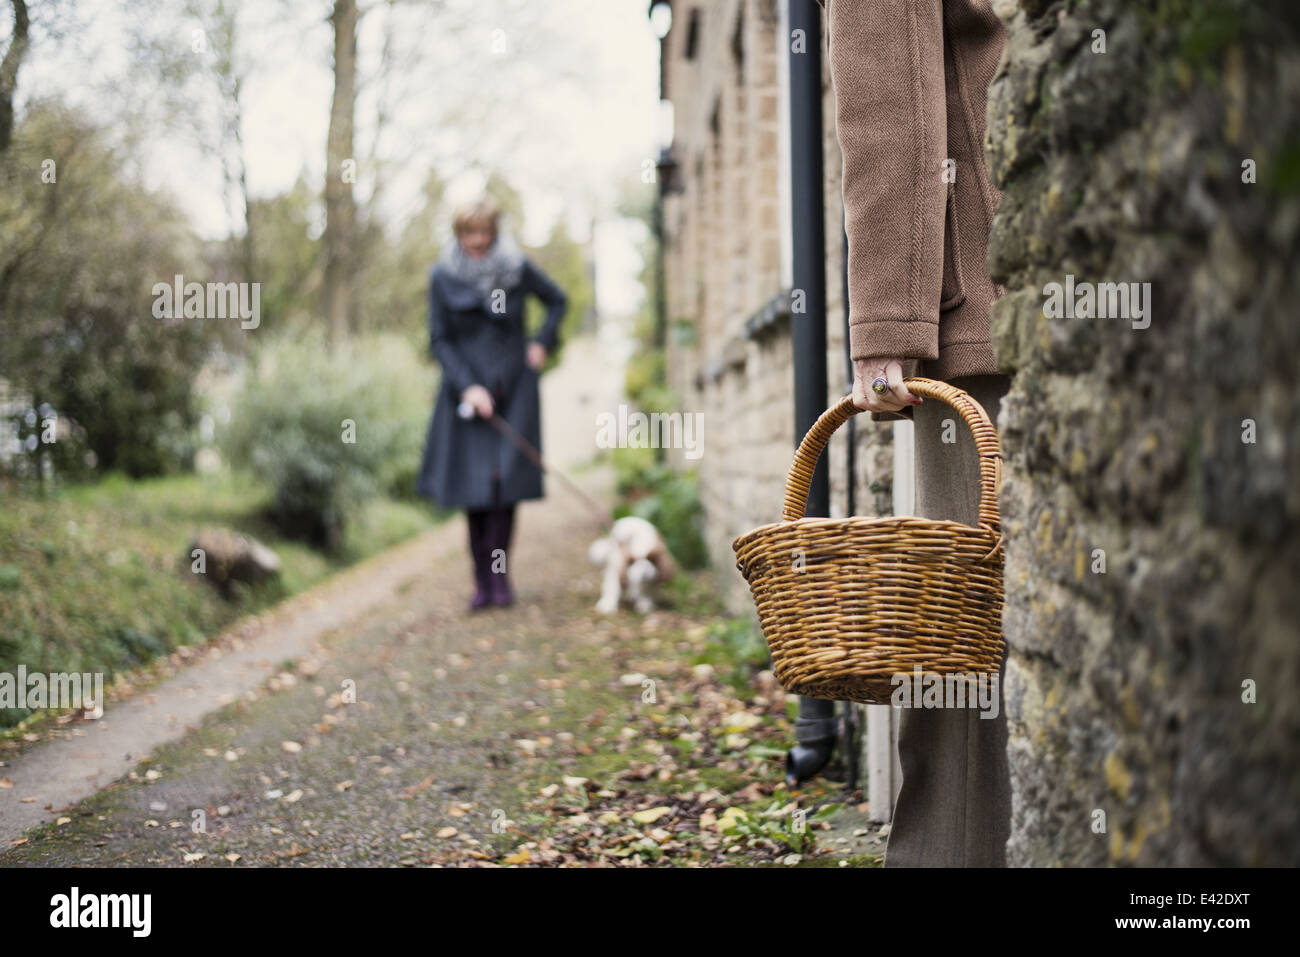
847, 603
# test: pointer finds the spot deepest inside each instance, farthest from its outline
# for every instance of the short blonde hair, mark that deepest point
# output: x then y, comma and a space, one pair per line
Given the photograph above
483, 210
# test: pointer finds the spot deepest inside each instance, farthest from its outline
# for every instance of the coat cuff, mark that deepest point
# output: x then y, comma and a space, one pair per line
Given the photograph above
894, 339
904, 415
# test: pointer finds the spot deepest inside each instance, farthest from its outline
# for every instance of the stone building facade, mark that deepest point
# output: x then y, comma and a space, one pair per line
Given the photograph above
727, 258
1151, 495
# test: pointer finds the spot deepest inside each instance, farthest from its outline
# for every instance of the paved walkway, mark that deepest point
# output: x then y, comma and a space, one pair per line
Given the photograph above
61, 772
373, 721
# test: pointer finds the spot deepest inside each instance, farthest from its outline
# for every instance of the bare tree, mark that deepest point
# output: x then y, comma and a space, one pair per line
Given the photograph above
13, 59
212, 66
340, 204
231, 72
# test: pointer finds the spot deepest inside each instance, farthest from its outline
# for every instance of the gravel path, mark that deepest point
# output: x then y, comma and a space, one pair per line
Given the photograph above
375, 722
292, 769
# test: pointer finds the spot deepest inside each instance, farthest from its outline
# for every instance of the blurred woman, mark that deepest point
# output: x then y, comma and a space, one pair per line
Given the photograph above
476, 331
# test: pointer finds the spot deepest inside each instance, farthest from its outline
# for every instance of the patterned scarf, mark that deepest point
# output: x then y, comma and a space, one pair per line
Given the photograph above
501, 268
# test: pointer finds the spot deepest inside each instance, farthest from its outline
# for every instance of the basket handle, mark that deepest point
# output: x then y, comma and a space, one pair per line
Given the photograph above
972, 413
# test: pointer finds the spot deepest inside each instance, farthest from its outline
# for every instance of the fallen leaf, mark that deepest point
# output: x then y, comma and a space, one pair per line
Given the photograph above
232, 857
650, 815
411, 789
293, 747
740, 721
522, 857
196, 856
446, 832
730, 816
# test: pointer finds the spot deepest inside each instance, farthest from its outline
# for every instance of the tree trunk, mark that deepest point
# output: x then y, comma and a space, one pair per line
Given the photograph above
247, 248
9, 72
340, 206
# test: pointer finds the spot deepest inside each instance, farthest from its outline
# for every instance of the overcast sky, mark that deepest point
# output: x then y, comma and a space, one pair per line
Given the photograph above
583, 115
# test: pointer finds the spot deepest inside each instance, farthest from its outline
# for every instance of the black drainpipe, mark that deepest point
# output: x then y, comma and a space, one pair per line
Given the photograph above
849, 732
816, 728
850, 456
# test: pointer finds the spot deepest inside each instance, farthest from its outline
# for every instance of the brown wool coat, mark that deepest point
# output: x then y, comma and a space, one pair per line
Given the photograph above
911, 79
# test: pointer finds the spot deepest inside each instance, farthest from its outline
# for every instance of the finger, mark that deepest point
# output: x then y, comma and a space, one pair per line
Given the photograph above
894, 375
885, 401
865, 398
860, 394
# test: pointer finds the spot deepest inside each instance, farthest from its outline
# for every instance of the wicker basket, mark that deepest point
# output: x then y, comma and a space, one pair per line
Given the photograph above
847, 603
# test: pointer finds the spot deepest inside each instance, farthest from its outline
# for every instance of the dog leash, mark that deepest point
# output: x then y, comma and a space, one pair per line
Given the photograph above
466, 411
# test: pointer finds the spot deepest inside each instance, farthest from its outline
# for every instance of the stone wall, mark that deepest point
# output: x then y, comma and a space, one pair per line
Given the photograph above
1171, 453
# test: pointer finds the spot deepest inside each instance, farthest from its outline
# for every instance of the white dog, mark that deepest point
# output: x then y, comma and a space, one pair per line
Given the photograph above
634, 556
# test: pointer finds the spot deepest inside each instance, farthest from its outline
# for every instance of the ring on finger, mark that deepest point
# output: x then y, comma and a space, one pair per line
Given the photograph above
879, 385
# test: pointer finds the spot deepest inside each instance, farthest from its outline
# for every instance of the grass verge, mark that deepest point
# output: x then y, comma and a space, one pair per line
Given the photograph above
97, 577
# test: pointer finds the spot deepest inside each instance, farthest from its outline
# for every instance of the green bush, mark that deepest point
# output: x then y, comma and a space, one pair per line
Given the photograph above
329, 427
668, 499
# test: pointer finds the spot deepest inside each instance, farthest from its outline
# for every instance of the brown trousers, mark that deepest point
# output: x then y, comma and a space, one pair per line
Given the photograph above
954, 808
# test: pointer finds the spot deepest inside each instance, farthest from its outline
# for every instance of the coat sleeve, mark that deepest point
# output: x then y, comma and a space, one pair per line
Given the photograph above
887, 69
541, 285
442, 347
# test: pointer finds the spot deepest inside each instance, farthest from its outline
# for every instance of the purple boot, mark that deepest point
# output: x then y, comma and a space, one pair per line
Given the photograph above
500, 525
480, 549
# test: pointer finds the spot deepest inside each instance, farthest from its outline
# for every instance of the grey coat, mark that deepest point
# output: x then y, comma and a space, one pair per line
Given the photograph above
463, 456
